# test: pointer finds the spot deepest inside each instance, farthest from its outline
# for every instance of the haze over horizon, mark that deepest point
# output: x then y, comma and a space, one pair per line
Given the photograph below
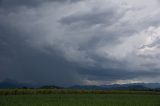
88, 42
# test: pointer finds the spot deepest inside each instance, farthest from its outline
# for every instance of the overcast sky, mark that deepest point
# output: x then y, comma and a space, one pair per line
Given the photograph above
91, 42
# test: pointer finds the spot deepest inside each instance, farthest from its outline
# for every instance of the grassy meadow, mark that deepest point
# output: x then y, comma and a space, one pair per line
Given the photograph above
78, 98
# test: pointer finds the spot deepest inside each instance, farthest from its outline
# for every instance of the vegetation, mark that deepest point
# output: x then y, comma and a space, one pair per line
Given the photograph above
69, 97
71, 91
80, 100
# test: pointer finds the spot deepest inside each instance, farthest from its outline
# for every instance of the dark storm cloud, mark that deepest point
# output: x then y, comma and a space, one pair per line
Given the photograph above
115, 74
29, 3
64, 43
23, 63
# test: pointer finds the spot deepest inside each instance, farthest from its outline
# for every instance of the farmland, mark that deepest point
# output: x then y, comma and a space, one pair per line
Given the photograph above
41, 97
80, 100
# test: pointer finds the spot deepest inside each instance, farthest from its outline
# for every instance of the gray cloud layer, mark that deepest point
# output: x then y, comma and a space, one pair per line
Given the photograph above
11, 3
83, 42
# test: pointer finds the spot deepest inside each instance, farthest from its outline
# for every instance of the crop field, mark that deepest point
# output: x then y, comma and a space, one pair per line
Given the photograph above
79, 98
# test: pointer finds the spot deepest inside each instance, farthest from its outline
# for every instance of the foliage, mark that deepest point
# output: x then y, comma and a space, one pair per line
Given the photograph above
70, 91
80, 100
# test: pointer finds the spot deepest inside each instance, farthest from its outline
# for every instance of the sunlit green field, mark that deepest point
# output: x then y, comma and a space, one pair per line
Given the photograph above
80, 100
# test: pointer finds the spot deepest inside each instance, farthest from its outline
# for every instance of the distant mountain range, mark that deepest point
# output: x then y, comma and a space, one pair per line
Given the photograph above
8, 83
131, 86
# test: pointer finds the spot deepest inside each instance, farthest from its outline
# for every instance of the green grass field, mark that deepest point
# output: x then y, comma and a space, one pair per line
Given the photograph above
70, 97
80, 100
